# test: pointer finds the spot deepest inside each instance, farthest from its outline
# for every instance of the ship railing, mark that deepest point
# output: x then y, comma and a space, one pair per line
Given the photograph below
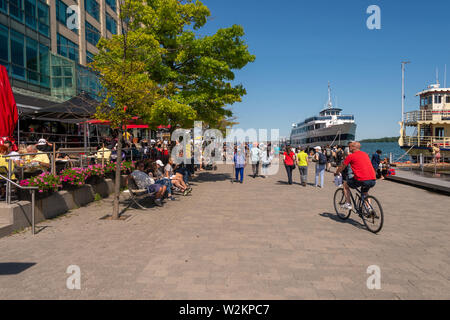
427, 141
426, 115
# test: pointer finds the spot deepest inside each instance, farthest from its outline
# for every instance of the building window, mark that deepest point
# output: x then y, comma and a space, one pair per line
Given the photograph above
44, 66
4, 49
439, 132
67, 48
32, 61
92, 34
43, 17
3, 7
17, 55
111, 24
30, 14
92, 7
448, 99
112, 4
62, 15
89, 57
16, 9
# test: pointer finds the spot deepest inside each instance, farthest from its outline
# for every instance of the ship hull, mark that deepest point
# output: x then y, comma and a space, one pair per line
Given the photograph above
340, 134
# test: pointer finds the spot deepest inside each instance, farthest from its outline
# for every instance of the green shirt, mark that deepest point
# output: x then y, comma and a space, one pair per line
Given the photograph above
302, 159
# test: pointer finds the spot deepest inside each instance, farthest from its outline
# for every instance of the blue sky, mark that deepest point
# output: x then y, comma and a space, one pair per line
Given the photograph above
301, 45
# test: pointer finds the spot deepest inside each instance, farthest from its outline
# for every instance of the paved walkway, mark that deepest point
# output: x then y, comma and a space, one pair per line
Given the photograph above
259, 240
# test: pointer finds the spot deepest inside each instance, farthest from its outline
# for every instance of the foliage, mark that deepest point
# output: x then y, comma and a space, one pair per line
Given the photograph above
73, 176
45, 182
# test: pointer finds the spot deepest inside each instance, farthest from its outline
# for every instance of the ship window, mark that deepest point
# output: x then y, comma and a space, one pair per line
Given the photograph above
437, 99
448, 99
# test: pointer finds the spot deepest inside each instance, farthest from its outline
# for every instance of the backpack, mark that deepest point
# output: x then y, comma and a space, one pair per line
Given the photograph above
329, 153
322, 158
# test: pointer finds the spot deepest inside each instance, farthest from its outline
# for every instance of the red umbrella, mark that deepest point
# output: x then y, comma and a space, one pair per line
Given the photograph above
8, 107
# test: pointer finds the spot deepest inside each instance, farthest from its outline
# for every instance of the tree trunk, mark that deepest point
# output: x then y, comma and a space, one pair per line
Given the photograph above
115, 214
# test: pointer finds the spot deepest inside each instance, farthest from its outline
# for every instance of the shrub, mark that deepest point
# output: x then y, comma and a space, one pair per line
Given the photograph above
45, 182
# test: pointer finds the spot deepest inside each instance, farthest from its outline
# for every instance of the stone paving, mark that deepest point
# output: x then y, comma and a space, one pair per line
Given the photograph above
262, 239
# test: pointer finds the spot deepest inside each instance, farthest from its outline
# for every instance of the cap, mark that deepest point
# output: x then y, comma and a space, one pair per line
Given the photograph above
159, 163
318, 148
42, 142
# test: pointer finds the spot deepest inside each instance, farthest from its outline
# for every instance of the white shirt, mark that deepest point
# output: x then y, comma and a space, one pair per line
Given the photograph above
255, 154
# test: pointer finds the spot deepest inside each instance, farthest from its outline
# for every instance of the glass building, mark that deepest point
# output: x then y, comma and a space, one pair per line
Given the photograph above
46, 45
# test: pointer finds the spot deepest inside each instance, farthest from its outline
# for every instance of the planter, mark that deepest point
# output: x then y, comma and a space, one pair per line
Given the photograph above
94, 180
69, 187
25, 195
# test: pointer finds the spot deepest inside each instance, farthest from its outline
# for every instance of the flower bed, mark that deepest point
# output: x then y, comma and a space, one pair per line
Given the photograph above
74, 177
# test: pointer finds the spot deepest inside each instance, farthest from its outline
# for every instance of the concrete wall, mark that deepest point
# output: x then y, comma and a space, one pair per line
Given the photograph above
18, 215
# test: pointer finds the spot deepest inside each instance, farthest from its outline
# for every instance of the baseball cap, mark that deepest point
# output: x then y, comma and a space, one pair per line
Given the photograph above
159, 163
318, 148
42, 142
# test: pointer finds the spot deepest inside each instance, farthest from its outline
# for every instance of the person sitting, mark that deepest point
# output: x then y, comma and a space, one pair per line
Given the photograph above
176, 178
144, 181
39, 157
15, 154
4, 162
103, 153
158, 174
385, 166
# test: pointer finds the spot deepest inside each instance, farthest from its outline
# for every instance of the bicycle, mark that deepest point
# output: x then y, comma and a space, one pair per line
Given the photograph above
367, 207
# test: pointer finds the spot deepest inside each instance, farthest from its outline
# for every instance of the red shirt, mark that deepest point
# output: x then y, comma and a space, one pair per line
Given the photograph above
361, 166
289, 158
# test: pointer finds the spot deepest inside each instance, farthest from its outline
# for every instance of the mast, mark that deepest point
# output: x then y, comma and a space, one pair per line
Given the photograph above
329, 104
403, 92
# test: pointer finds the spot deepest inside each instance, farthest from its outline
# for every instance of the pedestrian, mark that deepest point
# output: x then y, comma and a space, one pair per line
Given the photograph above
321, 161
289, 162
239, 164
329, 155
266, 159
255, 156
302, 162
436, 153
376, 160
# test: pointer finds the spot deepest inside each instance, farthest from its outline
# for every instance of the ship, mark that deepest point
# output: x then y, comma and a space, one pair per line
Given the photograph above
431, 125
330, 127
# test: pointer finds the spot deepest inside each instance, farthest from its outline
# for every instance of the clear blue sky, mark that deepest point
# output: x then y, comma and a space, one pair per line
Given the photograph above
300, 45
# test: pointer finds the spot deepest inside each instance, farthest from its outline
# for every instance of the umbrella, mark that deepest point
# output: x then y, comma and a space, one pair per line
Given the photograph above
8, 108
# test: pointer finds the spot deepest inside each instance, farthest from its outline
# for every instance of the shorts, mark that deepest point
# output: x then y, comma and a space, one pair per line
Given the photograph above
154, 188
365, 185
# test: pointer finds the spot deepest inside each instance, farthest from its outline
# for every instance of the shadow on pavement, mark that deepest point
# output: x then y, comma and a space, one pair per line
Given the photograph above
211, 177
281, 182
334, 217
9, 268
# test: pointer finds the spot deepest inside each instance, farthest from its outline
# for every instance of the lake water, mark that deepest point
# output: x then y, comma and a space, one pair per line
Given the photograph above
386, 148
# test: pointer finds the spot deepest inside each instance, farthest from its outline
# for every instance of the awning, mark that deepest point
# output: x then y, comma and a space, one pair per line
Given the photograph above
8, 108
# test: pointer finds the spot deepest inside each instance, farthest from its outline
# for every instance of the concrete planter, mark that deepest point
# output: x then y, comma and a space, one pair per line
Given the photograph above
18, 215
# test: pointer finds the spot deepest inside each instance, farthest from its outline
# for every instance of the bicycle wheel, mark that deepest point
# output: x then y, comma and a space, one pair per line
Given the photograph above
339, 200
372, 214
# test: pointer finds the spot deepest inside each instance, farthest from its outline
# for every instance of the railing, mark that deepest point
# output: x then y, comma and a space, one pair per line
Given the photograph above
33, 194
427, 141
426, 115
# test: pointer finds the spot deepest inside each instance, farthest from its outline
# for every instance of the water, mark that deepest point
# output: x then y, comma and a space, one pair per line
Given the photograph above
386, 148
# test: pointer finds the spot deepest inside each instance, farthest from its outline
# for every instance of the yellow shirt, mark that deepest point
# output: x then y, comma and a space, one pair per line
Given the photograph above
127, 135
302, 158
41, 157
103, 153
4, 162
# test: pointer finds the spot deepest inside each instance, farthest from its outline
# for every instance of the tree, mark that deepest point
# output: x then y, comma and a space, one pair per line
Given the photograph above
159, 69
196, 72
128, 88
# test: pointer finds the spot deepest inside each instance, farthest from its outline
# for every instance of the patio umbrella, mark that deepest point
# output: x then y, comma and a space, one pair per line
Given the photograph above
8, 108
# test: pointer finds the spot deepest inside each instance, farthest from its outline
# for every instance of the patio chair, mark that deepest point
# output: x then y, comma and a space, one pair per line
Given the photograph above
137, 195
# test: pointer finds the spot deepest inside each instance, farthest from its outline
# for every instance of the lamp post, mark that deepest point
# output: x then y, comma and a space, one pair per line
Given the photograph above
403, 94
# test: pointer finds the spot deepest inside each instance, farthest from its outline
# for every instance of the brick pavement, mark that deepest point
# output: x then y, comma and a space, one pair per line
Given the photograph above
259, 240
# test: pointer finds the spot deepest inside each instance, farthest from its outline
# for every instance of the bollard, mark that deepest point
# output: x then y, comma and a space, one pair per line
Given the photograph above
32, 211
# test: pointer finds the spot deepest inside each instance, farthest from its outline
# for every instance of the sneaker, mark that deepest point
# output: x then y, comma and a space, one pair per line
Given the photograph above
186, 192
347, 206
172, 198
158, 202
189, 190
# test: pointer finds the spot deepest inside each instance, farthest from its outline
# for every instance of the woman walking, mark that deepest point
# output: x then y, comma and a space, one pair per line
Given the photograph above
302, 162
289, 164
321, 161
266, 159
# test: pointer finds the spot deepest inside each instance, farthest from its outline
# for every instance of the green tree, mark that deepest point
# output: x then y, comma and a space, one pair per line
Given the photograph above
160, 69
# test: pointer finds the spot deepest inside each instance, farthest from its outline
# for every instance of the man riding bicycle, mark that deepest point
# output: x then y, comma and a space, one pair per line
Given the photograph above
363, 173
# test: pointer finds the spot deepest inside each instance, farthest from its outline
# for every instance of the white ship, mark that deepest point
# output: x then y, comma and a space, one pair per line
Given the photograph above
329, 128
